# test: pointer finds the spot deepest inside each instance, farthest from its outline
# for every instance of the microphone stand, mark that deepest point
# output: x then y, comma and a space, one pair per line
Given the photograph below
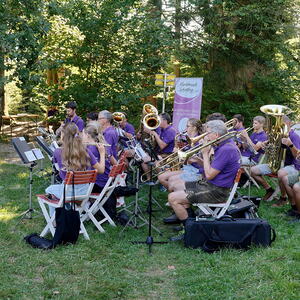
149, 239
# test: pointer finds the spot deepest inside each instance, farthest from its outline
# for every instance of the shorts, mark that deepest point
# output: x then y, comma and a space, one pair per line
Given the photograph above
58, 189
264, 169
190, 173
205, 192
245, 161
293, 174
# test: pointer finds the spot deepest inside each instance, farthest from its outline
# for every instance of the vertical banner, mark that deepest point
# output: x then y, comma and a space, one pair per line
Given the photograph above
187, 101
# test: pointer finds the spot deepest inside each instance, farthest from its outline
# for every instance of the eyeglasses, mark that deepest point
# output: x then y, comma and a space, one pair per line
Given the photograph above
101, 118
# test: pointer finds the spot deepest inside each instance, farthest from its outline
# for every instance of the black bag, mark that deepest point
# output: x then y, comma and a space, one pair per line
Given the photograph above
37, 241
125, 191
211, 234
67, 222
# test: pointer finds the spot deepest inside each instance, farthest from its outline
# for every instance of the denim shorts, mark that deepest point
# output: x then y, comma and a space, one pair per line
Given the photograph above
190, 173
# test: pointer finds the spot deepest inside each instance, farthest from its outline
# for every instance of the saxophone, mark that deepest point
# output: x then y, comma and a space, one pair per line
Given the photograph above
277, 130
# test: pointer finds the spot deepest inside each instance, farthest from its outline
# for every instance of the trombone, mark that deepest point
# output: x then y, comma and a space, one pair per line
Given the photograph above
191, 141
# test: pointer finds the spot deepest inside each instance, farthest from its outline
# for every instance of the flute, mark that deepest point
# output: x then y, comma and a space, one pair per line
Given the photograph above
95, 144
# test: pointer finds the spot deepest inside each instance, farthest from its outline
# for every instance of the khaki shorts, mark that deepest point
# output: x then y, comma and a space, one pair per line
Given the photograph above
205, 192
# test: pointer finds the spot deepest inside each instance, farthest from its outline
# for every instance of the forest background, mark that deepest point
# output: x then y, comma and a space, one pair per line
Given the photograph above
104, 54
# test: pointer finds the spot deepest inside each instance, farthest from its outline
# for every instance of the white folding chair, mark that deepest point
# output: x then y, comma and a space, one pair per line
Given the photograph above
80, 177
100, 199
217, 210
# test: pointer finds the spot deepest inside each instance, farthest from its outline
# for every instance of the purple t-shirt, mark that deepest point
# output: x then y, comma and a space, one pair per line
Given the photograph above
227, 161
101, 178
58, 159
290, 159
168, 136
129, 128
255, 138
111, 137
77, 120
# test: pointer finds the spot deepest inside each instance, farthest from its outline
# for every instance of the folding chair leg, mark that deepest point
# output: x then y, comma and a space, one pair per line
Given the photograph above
49, 226
83, 231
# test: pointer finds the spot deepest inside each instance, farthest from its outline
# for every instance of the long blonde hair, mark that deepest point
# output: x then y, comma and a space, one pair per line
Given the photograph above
74, 154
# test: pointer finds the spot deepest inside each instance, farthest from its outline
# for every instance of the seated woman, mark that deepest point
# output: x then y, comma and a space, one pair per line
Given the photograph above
190, 171
92, 136
73, 156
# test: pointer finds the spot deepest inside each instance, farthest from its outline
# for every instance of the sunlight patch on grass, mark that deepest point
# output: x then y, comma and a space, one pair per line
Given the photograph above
22, 175
6, 215
15, 187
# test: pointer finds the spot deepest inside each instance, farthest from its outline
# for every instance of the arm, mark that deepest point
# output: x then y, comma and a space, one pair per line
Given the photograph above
210, 173
162, 145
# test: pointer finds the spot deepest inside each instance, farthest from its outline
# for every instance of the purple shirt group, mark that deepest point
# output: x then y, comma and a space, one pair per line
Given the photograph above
227, 161
77, 120
255, 137
57, 158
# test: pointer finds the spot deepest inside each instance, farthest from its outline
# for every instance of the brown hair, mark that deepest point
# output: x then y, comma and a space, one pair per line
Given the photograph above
196, 123
216, 116
74, 154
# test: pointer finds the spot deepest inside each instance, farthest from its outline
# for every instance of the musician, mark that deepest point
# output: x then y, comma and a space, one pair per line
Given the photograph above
91, 116
216, 116
219, 174
165, 138
291, 169
253, 142
72, 116
91, 135
239, 125
73, 156
110, 135
189, 171
128, 130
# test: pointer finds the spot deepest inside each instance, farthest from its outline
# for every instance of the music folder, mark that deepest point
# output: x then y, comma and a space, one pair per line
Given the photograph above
26, 154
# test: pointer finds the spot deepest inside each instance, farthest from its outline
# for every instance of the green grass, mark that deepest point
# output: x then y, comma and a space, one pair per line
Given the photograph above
109, 266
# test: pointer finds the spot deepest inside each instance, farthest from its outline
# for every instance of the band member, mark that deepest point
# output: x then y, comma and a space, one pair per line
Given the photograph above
292, 143
219, 174
128, 130
189, 171
239, 125
165, 139
216, 116
92, 116
73, 156
90, 135
254, 142
110, 135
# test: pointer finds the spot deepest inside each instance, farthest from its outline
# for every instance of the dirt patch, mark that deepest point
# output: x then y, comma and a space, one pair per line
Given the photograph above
9, 155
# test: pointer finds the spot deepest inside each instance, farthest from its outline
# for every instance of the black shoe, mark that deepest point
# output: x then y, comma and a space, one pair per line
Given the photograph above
171, 220
291, 213
177, 228
178, 237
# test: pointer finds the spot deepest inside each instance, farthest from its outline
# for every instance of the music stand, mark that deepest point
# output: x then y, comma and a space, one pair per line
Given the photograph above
29, 157
149, 240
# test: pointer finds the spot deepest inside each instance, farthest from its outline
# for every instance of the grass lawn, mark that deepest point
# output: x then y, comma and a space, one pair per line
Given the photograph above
109, 266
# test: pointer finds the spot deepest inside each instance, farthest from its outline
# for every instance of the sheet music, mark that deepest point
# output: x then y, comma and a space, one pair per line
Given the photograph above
22, 138
30, 156
38, 153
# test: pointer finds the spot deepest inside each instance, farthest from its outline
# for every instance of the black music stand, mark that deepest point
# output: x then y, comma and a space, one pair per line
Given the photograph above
149, 240
29, 157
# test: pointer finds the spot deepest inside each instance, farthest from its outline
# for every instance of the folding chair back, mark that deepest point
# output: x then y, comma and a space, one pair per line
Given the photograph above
85, 178
100, 199
217, 210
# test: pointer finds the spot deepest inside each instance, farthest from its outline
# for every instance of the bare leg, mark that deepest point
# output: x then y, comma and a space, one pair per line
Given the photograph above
177, 185
256, 174
283, 184
166, 177
179, 203
296, 190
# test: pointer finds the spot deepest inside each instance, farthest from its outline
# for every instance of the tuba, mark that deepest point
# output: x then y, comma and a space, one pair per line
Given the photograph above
276, 131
